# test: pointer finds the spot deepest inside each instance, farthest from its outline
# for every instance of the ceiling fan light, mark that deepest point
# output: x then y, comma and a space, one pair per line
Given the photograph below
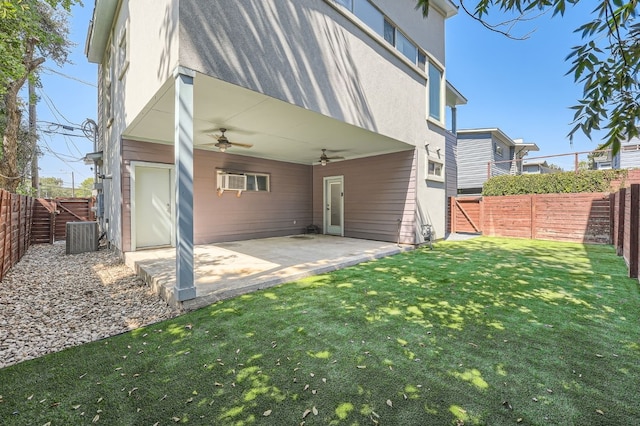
223, 148
323, 162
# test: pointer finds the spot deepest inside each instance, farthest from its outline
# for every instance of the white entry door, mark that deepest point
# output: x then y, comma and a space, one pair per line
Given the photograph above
334, 205
152, 207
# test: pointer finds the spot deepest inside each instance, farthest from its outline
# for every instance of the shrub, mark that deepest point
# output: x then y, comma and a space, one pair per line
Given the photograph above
553, 183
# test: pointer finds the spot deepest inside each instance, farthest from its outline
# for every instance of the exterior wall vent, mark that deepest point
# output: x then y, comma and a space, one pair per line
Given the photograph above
82, 237
232, 182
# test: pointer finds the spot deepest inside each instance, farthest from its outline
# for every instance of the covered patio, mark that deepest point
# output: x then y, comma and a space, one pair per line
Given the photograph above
225, 270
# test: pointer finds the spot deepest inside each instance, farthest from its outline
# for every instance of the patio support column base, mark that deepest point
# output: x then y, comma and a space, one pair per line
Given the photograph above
185, 288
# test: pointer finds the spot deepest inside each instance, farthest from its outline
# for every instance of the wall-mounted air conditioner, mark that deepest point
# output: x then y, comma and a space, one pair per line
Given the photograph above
232, 182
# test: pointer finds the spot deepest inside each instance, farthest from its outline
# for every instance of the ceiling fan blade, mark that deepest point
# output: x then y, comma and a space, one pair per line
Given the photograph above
242, 145
335, 158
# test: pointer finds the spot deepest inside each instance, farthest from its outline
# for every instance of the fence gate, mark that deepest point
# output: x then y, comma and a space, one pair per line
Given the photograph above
50, 217
466, 214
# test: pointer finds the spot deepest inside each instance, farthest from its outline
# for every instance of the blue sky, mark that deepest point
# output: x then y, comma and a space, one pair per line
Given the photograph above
517, 86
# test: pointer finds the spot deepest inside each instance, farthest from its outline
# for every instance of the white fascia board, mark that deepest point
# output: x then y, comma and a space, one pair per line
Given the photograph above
100, 26
446, 7
454, 97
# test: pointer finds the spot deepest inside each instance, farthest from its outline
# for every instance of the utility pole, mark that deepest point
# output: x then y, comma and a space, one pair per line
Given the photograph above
73, 186
34, 138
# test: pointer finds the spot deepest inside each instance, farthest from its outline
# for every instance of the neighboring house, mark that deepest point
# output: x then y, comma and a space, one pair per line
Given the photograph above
363, 80
453, 99
537, 167
627, 158
487, 152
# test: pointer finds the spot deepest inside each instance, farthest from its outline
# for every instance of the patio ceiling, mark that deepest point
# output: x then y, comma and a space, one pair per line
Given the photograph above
278, 130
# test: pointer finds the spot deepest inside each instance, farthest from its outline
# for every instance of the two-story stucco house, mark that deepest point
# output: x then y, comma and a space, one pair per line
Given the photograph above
227, 120
483, 153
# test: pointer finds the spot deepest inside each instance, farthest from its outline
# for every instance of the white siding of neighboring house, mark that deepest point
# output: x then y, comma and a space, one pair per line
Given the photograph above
473, 155
500, 165
629, 159
451, 165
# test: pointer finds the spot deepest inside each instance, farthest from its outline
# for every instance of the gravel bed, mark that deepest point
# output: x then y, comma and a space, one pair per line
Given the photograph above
50, 301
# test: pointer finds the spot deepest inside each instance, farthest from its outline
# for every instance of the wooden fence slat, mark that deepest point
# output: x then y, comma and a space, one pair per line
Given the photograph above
634, 220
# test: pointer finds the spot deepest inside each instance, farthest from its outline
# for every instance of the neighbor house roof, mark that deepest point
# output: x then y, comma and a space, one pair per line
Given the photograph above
498, 134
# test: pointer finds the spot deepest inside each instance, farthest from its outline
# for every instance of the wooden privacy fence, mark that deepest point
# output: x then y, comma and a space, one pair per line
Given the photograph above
626, 226
50, 217
25, 221
584, 217
15, 228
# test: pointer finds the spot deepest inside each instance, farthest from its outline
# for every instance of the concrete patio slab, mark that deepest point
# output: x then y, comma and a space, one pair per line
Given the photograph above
225, 270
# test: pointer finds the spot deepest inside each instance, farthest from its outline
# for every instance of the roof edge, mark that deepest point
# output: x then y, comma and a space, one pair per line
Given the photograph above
99, 29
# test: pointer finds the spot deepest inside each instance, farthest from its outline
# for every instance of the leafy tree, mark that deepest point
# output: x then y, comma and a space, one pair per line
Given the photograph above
606, 64
51, 187
86, 186
31, 31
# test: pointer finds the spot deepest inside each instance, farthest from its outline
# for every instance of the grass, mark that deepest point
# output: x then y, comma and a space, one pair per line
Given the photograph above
482, 332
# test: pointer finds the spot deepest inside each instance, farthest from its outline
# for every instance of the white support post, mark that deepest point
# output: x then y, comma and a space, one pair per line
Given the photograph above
185, 288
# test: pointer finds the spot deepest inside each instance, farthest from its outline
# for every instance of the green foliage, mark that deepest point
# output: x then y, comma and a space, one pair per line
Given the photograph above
606, 63
553, 183
85, 188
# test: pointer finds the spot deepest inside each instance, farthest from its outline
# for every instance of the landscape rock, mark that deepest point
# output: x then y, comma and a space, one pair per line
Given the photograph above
50, 301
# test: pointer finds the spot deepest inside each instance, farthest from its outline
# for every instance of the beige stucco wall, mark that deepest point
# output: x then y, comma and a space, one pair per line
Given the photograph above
427, 33
152, 45
309, 54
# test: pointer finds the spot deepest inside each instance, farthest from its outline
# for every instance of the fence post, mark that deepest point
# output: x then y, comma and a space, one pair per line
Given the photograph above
452, 214
481, 206
532, 221
621, 196
634, 222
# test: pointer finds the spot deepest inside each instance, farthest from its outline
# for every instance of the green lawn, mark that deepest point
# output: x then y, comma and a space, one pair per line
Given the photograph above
488, 331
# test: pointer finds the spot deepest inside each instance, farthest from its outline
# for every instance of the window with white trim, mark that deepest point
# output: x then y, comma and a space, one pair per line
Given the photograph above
107, 89
435, 169
123, 53
258, 182
435, 92
376, 20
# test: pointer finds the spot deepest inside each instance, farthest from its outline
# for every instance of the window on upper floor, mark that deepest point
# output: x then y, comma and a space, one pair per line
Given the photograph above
376, 20
123, 53
406, 47
108, 87
497, 149
435, 92
368, 14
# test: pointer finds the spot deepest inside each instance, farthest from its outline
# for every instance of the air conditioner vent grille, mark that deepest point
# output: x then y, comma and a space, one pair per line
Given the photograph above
82, 237
233, 182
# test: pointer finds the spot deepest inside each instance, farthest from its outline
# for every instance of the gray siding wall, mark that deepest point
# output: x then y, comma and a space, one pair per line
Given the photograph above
505, 167
285, 210
628, 159
451, 164
473, 155
378, 191
307, 53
